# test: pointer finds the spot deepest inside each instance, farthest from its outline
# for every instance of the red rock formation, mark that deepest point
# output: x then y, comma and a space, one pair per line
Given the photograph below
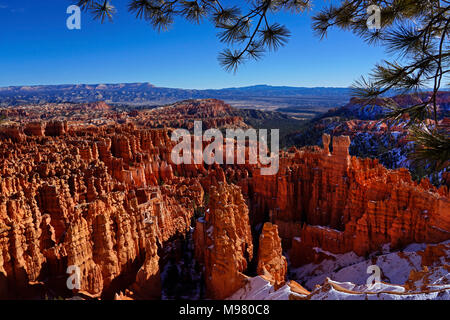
56, 128
213, 114
61, 205
148, 278
12, 132
270, 256
342, 204
82, 194
223, 241
99, 105
35, 129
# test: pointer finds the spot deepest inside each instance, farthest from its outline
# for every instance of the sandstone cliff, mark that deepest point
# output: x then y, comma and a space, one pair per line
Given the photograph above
223, 241
105, 198
84, 200
340, 203
271, 261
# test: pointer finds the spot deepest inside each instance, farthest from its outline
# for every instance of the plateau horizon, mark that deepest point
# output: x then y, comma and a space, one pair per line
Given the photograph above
98, 85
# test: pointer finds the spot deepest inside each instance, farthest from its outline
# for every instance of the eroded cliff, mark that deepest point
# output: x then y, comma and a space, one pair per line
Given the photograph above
105, 199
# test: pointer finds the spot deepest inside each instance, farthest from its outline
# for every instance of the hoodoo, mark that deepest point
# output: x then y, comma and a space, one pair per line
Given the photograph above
106, 200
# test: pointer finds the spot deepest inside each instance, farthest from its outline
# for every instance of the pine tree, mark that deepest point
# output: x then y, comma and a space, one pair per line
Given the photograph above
416, 34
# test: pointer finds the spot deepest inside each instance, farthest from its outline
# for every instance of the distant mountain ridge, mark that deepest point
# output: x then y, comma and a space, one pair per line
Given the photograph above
299, 102
99, 86
256, 89
263, 96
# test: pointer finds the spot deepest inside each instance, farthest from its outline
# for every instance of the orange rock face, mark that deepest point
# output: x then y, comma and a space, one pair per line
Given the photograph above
148, 278
73, 200
341, 204
223, 241
107, 200
270, 256
213, 114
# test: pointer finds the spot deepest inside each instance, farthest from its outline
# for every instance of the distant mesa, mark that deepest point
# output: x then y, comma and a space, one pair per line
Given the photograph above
312, 100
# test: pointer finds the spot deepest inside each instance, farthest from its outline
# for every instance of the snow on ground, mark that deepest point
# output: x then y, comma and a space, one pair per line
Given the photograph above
333, 290
395, 267
311, 274
259, 288
344, 277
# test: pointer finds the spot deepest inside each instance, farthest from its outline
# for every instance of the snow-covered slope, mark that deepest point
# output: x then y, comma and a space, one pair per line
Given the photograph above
333, 290
418, 272
258, 288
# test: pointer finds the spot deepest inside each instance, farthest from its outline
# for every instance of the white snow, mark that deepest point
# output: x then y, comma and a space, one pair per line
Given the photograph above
258, 288
344, 277
385, 292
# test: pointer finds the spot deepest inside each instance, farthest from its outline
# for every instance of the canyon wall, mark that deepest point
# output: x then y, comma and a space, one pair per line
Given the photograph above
107, 199
86, 199
340, 203
223, 241
271, 261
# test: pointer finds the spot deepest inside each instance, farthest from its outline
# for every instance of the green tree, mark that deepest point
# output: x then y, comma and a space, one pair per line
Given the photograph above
415, 32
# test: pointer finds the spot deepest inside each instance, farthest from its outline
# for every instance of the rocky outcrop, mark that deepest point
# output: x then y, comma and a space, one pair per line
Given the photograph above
12, 132
106, 199
212, 113
223, 241
73, 202
35, 129
340, 203
148, 278
271, 261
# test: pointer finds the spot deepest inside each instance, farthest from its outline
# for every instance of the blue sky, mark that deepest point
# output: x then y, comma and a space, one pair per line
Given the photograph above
37, 48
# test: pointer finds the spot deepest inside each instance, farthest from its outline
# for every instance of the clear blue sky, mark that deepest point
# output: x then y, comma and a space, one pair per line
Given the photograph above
37, 48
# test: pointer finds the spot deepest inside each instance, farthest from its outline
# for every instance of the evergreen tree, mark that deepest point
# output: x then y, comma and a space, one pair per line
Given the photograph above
416, 34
